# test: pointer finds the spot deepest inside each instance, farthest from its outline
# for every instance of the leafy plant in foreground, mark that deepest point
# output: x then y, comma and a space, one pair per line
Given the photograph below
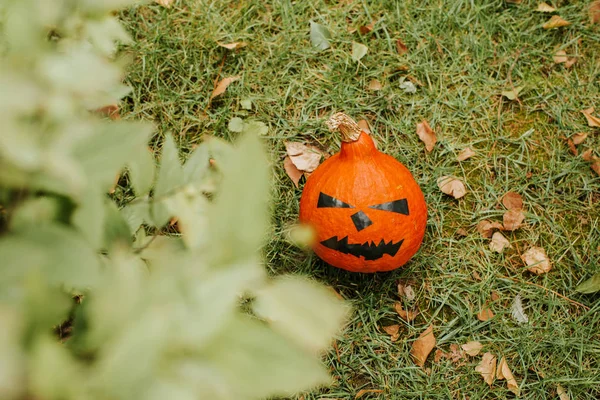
157, 316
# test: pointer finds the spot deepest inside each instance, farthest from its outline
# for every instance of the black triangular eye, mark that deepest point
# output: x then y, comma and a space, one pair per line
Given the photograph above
326, 201
397, 206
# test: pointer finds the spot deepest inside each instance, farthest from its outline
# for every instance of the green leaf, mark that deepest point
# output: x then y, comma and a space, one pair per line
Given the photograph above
116, 228
195, 169
236, 124
142, 169
256, 128
246, 104
302, 310
170, 173
592, 285
34, 211
135, 214
45, 306
191, 209
358, 51
89, 217
105, 34
59, 253
319, 36
271, 366
105, 154
512, 93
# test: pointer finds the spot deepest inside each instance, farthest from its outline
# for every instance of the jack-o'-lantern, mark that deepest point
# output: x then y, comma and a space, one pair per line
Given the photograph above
367, 210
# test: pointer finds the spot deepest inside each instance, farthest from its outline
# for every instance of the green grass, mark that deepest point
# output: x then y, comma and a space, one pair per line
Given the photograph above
462, 54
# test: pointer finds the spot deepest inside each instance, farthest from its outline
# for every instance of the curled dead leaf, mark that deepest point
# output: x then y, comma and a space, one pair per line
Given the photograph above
486, 228
485, 314
406, 291
594, 11
375, 85
305, 158
294, 173
555, 22
587, 155
487, 368
544, 7
578, 138
512, 219
560, 57
536, 260
393, 331
512, 201
408, 316
465, 154
472, 348
592, 120
401, 48
570, 62
222, 86
364, 29
427, 135
572, 147
423, 346
452, 186
232, 46
504, 372
499, 242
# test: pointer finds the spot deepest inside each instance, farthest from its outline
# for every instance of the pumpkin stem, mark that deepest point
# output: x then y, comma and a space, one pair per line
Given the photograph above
347, 126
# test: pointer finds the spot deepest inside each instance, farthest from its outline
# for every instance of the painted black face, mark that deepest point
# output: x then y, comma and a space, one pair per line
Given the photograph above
370, 251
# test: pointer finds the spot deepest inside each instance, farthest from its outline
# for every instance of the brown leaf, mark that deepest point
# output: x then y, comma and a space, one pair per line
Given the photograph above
465, 154
232, 46
512, 201
555, 22
560, 57
595, 12
462, 232
366, 28
504, 372
562, 393
536, 260
426, 134
375, 85
165, 3
294, 173
452, 186
595, 165
408, 316
570, 62
222, 86
487, 368
472, 348
486, 228
364, 126
587, 155
578, 138
305, 158
438, 355
485, 314
495, 296
401, 47
543, 7
591, 120
512, 219
499, 242
572, 147
110, 111
362, 392
406, 291
393, 331
423, 346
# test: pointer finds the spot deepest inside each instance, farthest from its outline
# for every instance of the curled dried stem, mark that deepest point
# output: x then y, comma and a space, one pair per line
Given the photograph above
347, 126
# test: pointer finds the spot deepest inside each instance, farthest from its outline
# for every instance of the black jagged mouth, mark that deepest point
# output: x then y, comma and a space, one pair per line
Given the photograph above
369, 251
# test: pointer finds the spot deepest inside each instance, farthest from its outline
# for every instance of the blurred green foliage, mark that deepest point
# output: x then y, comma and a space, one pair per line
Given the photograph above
154, 316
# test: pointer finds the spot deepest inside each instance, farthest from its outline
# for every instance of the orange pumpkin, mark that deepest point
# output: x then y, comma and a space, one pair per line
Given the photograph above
368, 211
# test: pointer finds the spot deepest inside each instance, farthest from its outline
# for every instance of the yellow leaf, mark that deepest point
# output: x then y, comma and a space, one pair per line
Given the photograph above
222, 86
555, 22
544, 7
487, 368
591, 120
562, 393
423, 346
504, 372
427, 135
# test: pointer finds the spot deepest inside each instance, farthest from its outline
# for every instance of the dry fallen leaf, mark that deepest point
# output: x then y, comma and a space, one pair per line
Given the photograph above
487, 368
472, 348
438, 355
570, 62
543, 7
499, 242
587, 155
595, 165
494, 296
165, 3
401, 47
485, 314
536, 260
456, 353
560, 57
465, 154
452, 186
555, 22
578, 138
375, 85
595, 12
572, 147
504, 372
512, 219
364, 126
426, 134
294, 173
462, 232
517, 311
110, 111
232, 46
512, 201
591, 120
408, 316
486, 228
423, 346
366, 28
222, 86
362, 392
562, 393
406, 291
393, 331
305, 158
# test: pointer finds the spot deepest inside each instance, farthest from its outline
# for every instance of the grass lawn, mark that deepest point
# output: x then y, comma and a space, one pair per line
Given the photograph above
462, 54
